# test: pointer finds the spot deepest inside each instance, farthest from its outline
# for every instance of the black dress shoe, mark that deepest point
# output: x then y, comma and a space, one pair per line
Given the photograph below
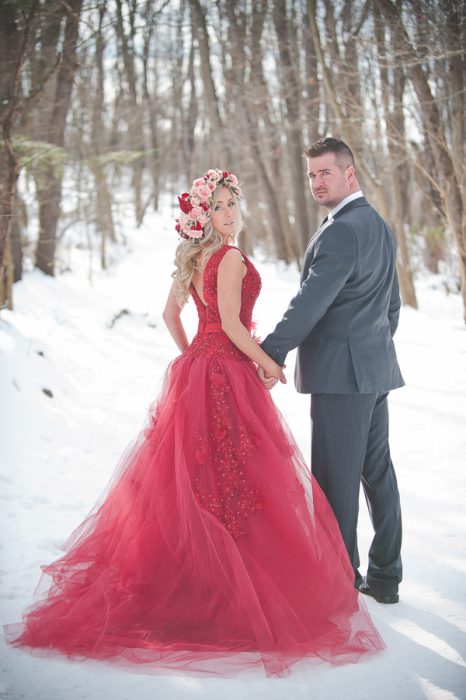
379, 597
358, 580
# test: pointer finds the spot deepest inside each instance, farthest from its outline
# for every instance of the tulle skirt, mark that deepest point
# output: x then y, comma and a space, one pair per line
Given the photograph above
212, 550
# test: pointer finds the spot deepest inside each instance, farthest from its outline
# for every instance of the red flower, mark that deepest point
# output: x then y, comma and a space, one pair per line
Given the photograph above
204, 206
217, 378
220, 433
185, 204
225, 173
178, 226
200, 456
197, 226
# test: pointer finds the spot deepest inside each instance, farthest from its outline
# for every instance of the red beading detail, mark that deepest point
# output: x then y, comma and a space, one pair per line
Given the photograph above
232, 498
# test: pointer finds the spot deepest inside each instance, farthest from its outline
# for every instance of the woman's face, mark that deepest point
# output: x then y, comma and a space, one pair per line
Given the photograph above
225, 214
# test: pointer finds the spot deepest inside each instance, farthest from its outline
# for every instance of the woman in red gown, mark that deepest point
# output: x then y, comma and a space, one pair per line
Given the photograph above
213, 549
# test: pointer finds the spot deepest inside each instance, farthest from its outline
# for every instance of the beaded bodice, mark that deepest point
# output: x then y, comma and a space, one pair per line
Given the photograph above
210, 339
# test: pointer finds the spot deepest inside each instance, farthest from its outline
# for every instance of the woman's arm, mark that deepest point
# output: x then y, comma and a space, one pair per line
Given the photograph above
171, 316
229, 283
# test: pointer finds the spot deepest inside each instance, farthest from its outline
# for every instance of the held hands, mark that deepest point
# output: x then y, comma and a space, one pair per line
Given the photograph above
271, 374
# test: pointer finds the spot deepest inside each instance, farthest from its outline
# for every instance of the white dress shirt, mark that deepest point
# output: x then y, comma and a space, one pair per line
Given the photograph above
329, 218
344, 202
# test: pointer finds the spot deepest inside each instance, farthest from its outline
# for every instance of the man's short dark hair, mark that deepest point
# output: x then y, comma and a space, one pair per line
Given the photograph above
331, 145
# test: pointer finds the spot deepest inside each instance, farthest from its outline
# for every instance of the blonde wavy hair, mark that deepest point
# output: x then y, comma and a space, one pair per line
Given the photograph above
192, 254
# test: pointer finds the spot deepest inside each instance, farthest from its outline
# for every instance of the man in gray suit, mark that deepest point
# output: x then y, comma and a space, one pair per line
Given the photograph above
342, 321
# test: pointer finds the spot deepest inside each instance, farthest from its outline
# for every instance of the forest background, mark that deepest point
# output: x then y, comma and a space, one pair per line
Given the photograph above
106, 105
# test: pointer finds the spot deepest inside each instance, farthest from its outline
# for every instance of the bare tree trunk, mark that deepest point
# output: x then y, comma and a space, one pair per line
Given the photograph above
292, 98
250, 118
451, 188
16, 247
9, 88
201, 35
333, 50
150, 105
190, 119
353, 104
313, 97
397, 160
312, 103
103, 198
260, 101
134, 118
50, 191
456, 76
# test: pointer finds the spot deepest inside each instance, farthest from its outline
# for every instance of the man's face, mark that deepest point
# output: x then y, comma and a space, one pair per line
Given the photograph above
330, 181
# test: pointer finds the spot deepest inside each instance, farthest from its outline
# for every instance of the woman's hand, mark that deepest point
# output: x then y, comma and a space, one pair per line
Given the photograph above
270, 374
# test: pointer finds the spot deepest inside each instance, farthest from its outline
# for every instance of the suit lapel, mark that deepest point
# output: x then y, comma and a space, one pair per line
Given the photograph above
359, 202
317, 234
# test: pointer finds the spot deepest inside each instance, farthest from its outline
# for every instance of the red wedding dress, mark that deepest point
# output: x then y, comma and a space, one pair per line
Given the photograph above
213, 550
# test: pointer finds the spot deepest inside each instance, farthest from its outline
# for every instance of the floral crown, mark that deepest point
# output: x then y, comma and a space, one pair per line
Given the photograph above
196, 206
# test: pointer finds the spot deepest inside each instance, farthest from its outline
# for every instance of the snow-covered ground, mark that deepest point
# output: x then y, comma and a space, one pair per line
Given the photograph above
101, 351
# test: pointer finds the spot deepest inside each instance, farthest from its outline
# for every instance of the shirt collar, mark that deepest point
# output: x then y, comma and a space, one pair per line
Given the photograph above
344, 202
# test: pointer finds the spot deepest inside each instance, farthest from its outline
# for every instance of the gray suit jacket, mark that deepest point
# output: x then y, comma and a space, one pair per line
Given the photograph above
346, 311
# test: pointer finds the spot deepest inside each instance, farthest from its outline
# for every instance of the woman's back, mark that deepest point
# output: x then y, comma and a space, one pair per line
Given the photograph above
210, 338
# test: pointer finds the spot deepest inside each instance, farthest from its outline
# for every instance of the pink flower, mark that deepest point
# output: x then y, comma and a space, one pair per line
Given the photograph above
204, 193
195, 212
211, 186
199, 182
